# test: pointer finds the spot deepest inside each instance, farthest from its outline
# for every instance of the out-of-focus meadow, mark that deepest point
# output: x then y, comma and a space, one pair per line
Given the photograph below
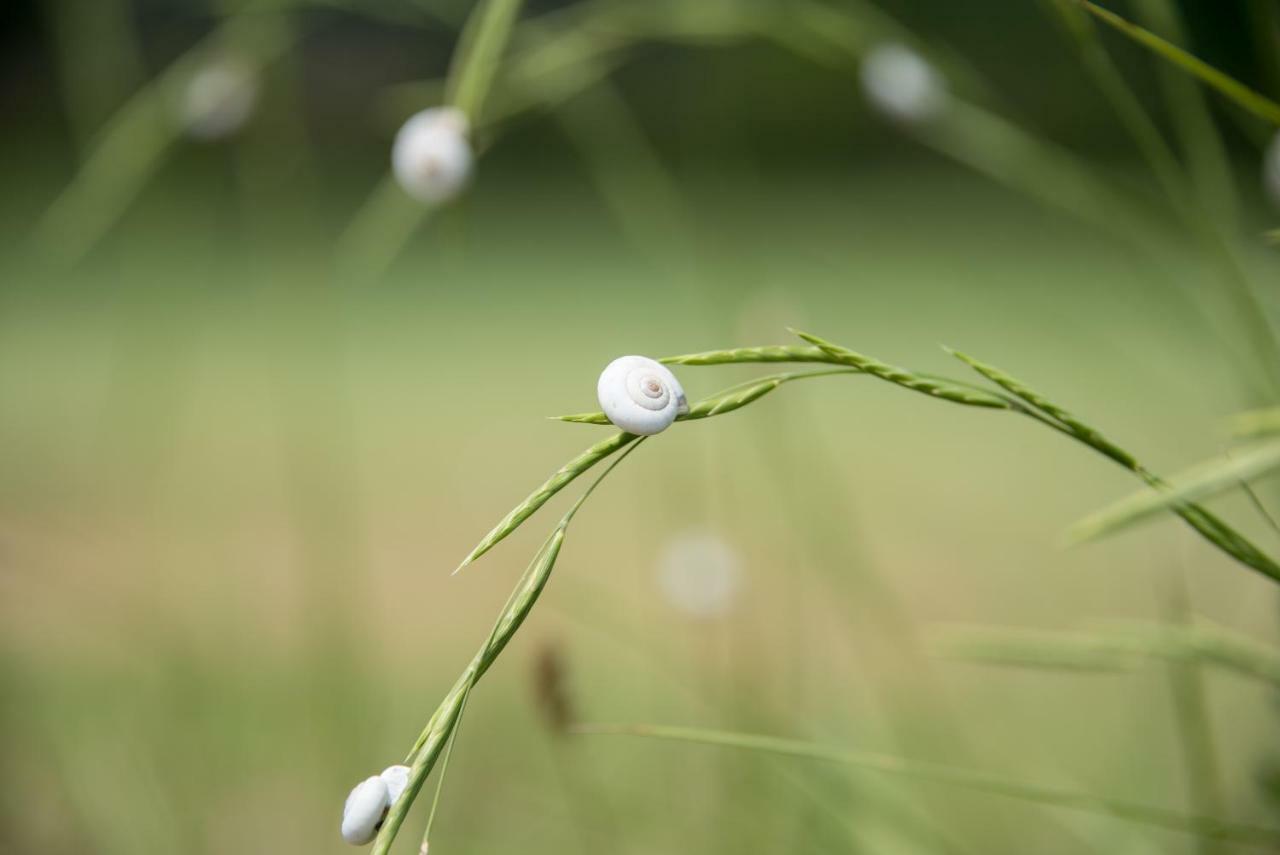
235, 483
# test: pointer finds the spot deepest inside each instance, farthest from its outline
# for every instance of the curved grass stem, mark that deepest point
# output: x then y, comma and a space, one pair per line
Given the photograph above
444, 721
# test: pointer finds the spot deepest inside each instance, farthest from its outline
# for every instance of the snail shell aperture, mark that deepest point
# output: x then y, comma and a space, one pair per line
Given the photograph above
639, 395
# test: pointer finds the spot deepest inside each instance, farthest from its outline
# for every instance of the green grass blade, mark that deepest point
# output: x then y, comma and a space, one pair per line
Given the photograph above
480, 48
539, 497
724, 401
1249, 99
1201, 826
924, 384
1118, 649
1200, 482
1039, 649
427, 748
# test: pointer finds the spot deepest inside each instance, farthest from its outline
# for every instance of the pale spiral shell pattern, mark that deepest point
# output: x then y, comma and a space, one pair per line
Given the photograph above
640, 396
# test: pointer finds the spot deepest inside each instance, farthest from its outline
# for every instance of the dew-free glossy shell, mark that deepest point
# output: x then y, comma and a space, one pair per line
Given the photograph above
639, 395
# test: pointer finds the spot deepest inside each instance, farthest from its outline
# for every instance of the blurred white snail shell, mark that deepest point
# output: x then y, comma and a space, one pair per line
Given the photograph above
639, 395
218, 99
902, 84
431, 157
397, 779
363, 812
1271, 169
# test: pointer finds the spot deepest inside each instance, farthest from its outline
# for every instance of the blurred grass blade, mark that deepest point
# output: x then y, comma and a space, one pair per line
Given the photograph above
136, 139
1034, 649
1257, 423
1200, 482
1050, 409
480, 48
426, 749
539, 497
1110, 650
927, 385
1202, 826
1251, 100
724, 401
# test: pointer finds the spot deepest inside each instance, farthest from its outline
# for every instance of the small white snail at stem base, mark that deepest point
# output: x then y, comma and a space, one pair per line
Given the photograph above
363, 812
639, 395
431, 157
902, 84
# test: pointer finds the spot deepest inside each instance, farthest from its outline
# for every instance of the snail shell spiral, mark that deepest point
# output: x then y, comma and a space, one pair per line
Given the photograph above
639, 395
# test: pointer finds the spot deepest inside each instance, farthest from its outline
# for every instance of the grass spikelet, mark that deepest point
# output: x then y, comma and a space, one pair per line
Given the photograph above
1200, 482
724, 401
1255, 102
1209, 526
427, 748
768, 353
1050, 409
539, 497
931, 386
1198, 825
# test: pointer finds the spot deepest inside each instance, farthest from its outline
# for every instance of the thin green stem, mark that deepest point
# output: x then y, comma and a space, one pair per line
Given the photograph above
480, 49
440, 727
1255, 102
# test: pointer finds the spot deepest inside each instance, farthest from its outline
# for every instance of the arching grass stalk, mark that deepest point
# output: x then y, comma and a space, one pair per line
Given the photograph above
1020, 399
445, 720
1201, 826
1195, 484
722, 402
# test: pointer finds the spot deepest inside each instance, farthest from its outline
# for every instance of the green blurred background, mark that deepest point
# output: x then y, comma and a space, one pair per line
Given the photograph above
235, 482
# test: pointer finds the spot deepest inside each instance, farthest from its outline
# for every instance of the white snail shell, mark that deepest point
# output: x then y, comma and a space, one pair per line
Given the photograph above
639, 395
363, 812
1271, 169
218, 99
902, 84
397, 779
431, 157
